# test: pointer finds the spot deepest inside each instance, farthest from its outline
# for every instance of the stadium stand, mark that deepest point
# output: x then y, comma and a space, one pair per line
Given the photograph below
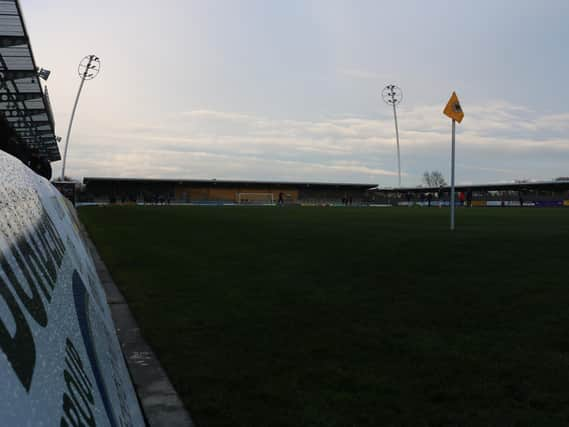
27, 128
219, 192
125, 190
554, 193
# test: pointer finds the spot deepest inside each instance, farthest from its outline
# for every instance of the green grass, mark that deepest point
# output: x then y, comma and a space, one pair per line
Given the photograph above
350, 317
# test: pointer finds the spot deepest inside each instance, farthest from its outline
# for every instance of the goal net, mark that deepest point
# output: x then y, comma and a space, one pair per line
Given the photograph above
255, 198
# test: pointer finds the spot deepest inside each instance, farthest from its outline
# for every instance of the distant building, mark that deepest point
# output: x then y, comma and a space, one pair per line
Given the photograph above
221, 191
553, 193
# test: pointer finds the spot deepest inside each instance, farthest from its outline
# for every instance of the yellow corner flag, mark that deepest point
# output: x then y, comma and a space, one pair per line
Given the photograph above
453, 108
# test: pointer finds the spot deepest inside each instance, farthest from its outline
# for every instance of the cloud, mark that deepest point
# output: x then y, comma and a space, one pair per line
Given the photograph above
485, 169
361, 74
217, 115
496, 140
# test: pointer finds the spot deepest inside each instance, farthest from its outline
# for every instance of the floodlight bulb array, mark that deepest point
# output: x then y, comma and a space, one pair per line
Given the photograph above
392, 95
89, 67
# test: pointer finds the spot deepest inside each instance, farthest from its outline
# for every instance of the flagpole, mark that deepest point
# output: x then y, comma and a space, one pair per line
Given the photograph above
452, 177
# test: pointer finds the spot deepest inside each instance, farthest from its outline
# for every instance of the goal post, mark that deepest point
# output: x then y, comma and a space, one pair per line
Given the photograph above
255, 198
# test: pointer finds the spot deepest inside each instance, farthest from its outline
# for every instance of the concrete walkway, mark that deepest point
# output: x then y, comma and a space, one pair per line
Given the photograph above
160, 403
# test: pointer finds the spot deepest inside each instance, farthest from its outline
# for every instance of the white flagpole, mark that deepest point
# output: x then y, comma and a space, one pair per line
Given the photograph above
452, 178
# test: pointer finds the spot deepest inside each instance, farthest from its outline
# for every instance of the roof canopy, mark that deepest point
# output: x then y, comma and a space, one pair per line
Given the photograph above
228, 183
555, 185
22, 101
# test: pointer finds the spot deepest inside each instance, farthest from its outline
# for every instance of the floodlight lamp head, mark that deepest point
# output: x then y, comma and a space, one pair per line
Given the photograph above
43, 74
392, 95
89, 67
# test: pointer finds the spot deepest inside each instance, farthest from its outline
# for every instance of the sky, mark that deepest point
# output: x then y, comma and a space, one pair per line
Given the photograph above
291, 90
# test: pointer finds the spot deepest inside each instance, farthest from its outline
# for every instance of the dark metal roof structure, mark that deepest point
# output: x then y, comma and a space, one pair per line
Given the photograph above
231, 183
554, 185
23, 103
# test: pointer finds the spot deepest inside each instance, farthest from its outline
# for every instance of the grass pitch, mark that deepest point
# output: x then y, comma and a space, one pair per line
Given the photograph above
347, 316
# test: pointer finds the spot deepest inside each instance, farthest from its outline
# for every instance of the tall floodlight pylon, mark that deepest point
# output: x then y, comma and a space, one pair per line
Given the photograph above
393, 95
88, 69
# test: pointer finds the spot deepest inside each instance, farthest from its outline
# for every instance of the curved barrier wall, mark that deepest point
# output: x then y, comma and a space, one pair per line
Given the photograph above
60, 360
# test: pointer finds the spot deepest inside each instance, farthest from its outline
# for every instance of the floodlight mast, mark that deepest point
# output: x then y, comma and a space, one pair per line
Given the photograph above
88, 69
393, 95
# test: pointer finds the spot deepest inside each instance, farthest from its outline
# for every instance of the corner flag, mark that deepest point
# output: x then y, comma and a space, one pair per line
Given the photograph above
453, 108
454, 111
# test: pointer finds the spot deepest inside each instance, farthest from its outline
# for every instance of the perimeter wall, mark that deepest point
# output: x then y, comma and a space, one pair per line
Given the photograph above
60, 360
